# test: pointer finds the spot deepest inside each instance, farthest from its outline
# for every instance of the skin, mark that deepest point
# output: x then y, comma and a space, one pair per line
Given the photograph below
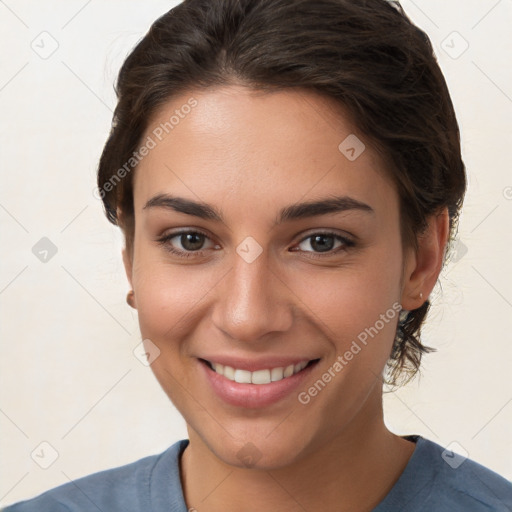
249, 154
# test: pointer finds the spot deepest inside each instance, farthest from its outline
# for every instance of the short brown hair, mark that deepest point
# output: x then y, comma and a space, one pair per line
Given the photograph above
365, 54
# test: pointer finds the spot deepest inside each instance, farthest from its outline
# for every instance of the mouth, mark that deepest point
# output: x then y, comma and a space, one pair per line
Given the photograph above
261, 376
258, 384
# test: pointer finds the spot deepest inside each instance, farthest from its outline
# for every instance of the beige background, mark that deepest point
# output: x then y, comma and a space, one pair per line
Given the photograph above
69, 377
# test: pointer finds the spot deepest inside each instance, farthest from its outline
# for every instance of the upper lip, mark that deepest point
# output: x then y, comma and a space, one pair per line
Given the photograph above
252, 365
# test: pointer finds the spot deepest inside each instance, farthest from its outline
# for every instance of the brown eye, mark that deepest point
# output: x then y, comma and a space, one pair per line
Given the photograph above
325, 243
191, 242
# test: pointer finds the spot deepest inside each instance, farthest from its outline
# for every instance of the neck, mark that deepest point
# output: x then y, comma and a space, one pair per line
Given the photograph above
351, 470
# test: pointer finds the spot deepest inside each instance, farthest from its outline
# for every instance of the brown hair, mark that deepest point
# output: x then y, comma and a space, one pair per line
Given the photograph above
365, 54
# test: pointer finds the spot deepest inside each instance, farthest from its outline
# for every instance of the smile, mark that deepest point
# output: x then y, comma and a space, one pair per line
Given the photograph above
264, 376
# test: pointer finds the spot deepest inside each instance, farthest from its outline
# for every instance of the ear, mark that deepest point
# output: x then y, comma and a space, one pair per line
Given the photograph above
127, 260
128, 265
422, 267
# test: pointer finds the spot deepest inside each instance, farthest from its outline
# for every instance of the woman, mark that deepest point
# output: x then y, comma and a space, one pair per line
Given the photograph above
287, 175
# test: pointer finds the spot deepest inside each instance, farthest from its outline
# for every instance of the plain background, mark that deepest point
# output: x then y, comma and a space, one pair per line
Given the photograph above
69, 376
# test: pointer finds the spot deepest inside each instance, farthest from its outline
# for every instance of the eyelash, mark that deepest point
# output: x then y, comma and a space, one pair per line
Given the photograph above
164, 241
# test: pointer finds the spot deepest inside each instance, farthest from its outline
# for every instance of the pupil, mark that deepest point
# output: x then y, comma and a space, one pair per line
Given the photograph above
191, 241
318, 243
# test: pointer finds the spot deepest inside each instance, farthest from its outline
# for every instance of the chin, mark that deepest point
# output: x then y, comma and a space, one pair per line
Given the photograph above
258, 449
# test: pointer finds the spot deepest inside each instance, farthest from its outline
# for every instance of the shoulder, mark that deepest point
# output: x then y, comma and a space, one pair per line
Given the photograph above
447, 481
471, 483
126, 488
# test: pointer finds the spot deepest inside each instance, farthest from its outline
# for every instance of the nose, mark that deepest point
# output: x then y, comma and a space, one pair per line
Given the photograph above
252, 301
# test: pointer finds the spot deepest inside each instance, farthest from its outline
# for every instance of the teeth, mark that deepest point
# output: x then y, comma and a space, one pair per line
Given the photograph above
243, 376
276, 374
259, 376
288, 371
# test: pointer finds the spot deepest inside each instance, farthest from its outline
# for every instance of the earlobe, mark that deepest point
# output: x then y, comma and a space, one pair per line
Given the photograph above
423, 268
130, 299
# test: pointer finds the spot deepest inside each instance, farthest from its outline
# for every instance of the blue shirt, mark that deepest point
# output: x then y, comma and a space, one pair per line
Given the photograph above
429, 483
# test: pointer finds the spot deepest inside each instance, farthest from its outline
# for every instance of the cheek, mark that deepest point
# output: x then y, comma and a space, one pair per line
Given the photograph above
170, 297
355, 294
357, 307
170, 302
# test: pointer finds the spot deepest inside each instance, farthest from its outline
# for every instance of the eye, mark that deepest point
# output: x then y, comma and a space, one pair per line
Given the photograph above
191, 241
323, 244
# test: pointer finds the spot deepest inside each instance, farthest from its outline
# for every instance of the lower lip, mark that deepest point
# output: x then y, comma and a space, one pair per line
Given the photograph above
254, 395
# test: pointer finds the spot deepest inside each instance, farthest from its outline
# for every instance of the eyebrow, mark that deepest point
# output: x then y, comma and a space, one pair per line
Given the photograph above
333, 204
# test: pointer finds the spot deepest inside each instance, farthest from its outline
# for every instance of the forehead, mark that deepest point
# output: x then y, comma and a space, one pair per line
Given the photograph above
233, 144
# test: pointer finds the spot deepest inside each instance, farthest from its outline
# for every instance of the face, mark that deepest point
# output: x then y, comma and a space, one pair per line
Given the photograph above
256, 282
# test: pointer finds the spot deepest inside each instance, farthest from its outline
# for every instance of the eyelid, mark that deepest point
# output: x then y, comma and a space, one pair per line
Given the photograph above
327, 231
346, 240
164, 239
